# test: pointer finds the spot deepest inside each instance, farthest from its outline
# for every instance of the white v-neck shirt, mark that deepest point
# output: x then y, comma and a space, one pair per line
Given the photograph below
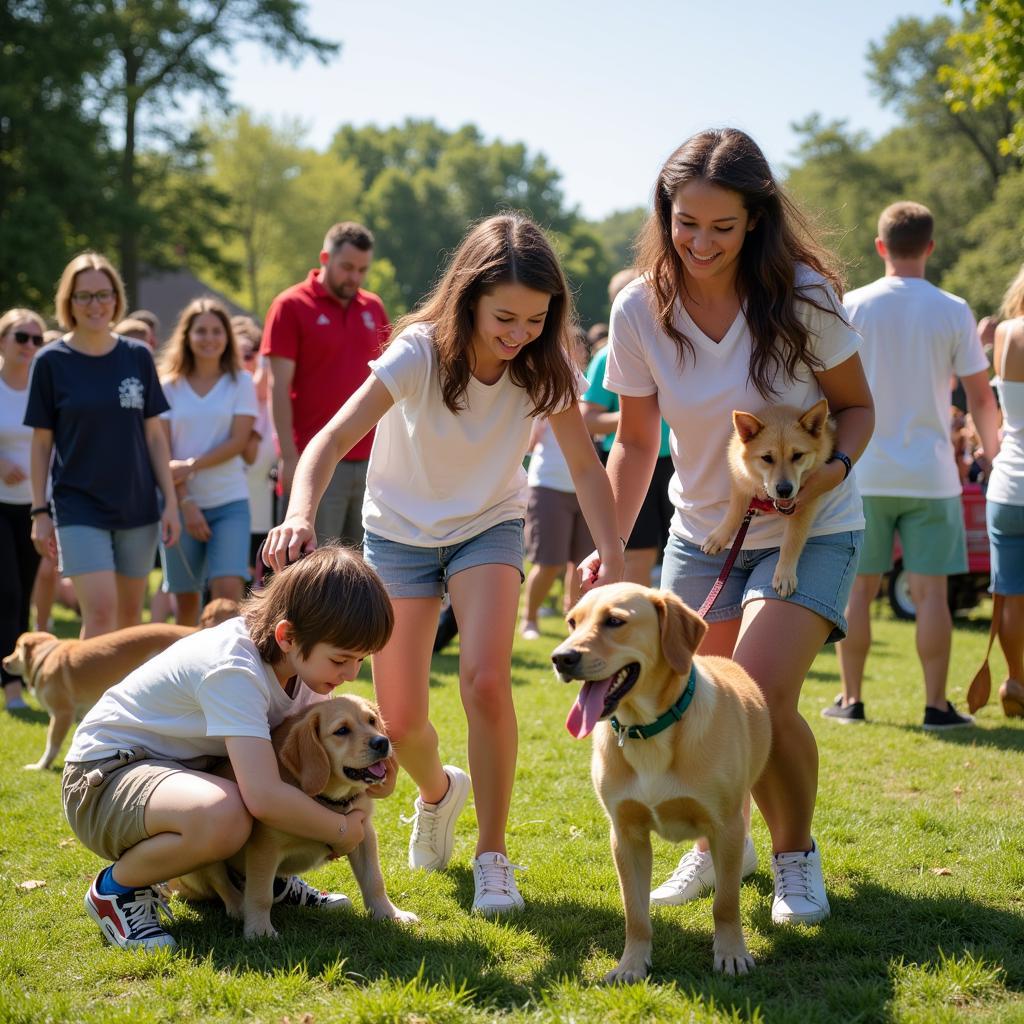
697, 395
201, 422
435, 477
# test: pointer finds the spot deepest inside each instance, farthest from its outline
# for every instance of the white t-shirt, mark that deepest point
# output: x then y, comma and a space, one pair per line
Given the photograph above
257, 475
548, 467
186, 700
201, 423
15, 443
915, 337
697, 396
435, 477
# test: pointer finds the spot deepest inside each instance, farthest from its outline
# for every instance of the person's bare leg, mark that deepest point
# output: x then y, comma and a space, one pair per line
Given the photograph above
230, 587
853, 651
96, 593
934, 634
44, 592
131, 595
1011, 635
640, 563
189, 604
538, 585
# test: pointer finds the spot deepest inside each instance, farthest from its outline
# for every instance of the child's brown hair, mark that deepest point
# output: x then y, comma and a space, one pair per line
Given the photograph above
331, 596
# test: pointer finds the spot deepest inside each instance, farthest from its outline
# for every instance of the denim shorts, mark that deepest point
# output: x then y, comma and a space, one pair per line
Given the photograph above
85, 549
1006, 542
409, 571
825, 574
190, 564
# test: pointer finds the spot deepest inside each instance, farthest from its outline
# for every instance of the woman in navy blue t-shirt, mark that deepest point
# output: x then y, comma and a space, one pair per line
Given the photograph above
95, 398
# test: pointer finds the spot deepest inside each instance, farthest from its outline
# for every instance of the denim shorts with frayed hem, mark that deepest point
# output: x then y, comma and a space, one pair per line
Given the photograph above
409, 571
86, 549
825, 574
1006, 543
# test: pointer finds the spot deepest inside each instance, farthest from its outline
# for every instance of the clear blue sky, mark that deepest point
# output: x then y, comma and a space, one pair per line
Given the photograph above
606, 90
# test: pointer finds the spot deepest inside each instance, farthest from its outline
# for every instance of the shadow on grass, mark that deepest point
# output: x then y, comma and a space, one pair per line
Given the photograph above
1002, 737
30, 715
849, 968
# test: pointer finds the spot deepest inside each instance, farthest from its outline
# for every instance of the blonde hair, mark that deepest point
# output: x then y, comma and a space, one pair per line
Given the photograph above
16, 315
177, 360
1013, 300
88, 260
133, 328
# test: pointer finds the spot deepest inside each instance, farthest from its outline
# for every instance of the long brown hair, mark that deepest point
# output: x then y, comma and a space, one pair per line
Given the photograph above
505, 249
177, 361
766, 277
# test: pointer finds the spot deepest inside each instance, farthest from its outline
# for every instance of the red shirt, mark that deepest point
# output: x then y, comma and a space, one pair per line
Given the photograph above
330, 345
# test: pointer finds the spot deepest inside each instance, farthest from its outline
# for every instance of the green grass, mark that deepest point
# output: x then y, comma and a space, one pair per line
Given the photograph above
905, 942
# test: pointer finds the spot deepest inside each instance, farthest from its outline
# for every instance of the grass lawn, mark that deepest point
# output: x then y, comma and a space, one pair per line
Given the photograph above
922, 838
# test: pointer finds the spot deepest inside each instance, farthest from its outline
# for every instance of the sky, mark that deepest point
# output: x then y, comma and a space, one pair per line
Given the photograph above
605, 90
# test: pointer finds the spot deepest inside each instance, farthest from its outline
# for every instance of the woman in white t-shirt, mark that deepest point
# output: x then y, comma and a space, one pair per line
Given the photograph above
454, 393
736, 308
21, 337
212, 411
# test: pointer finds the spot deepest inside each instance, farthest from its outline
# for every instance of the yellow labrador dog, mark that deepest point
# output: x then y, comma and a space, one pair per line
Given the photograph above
679, 741
69, 676
333, 752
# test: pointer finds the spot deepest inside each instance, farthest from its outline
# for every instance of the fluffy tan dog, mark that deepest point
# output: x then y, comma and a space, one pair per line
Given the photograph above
770, 455
632, 647
332, 751
69, 676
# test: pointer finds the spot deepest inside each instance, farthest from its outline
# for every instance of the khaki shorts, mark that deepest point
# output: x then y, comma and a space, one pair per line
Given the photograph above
105, 800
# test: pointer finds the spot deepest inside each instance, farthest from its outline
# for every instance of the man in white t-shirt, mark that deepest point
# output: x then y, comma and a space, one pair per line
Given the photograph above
916, 338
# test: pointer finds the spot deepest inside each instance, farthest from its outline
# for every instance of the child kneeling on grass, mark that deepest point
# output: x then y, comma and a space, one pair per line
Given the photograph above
137, 789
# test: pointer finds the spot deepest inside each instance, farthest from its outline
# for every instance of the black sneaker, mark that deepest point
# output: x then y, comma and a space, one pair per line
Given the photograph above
294, 892
851, 714
935, 720
130, 920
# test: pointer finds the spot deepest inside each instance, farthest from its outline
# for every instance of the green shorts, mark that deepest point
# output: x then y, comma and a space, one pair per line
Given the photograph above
931, 532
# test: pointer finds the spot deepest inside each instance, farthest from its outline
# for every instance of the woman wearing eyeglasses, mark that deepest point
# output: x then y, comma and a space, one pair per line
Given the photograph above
94, 397
21, 337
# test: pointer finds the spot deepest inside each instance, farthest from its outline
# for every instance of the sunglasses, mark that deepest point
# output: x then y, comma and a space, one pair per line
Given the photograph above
24, 337
84, 298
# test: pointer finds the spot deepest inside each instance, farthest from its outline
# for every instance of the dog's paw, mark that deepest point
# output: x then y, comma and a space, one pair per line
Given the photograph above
401, 916
734, 962
260, 930
626, 974
37, 766
784, 583
716, 541
235, 910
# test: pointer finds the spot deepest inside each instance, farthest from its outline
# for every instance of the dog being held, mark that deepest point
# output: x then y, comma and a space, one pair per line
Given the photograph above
771, 455
69, 676
687, 772
332, 751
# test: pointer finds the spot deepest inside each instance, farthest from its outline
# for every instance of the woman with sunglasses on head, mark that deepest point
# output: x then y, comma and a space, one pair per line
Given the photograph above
21, 337
94, 397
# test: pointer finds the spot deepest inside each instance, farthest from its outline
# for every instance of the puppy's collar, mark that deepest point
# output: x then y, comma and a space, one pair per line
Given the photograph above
662, 722
38, 666
328, 802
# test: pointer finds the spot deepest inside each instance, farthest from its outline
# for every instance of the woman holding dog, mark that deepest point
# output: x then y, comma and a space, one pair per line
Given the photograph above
94, 397
736, 308
454, 393
21, 337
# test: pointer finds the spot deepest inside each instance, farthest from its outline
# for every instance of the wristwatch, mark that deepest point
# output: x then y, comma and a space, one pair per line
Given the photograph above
838, 456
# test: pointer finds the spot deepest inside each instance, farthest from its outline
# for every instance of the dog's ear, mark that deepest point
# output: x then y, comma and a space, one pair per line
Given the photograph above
304, 756
814, 420
682, 630
747, 425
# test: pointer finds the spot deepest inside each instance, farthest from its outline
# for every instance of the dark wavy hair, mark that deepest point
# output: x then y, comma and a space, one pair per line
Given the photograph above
766, 279
505, 249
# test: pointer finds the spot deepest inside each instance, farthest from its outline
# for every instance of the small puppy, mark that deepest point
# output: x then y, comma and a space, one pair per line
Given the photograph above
632, 648
69, 676
332, 751
771, 454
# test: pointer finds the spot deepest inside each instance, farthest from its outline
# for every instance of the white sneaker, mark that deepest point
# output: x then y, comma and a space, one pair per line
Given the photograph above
433, 828
529, 630
495, 879
799, 888
695, 875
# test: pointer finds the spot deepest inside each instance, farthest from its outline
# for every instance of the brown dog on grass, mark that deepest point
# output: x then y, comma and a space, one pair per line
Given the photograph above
69, 676
332, 751
633, 650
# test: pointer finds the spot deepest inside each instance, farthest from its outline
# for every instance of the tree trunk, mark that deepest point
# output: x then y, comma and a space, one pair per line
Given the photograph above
129, 243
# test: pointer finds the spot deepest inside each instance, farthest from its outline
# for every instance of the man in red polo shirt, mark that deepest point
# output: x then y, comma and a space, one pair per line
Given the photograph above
320, 335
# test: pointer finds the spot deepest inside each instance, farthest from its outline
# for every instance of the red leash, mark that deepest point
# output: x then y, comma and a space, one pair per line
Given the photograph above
756, 505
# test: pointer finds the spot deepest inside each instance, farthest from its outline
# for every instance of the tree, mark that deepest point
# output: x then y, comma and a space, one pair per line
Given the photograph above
619, 232
990, 70
161, 50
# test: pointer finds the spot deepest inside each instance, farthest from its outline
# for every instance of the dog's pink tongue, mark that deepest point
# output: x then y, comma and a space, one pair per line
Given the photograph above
378, 769
586, 712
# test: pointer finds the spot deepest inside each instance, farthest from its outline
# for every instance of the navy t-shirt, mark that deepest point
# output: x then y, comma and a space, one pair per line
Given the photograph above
96, 407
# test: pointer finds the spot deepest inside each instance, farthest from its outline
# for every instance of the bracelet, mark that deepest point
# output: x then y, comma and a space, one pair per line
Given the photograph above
838, 456
623, 539
38, 511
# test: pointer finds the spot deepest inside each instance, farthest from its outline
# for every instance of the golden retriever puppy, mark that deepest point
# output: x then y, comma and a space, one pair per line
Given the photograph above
332, 751
69, 676
679, 741
770, 455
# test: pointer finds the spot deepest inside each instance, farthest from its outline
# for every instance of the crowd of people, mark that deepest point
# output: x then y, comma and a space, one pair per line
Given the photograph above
408, 442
